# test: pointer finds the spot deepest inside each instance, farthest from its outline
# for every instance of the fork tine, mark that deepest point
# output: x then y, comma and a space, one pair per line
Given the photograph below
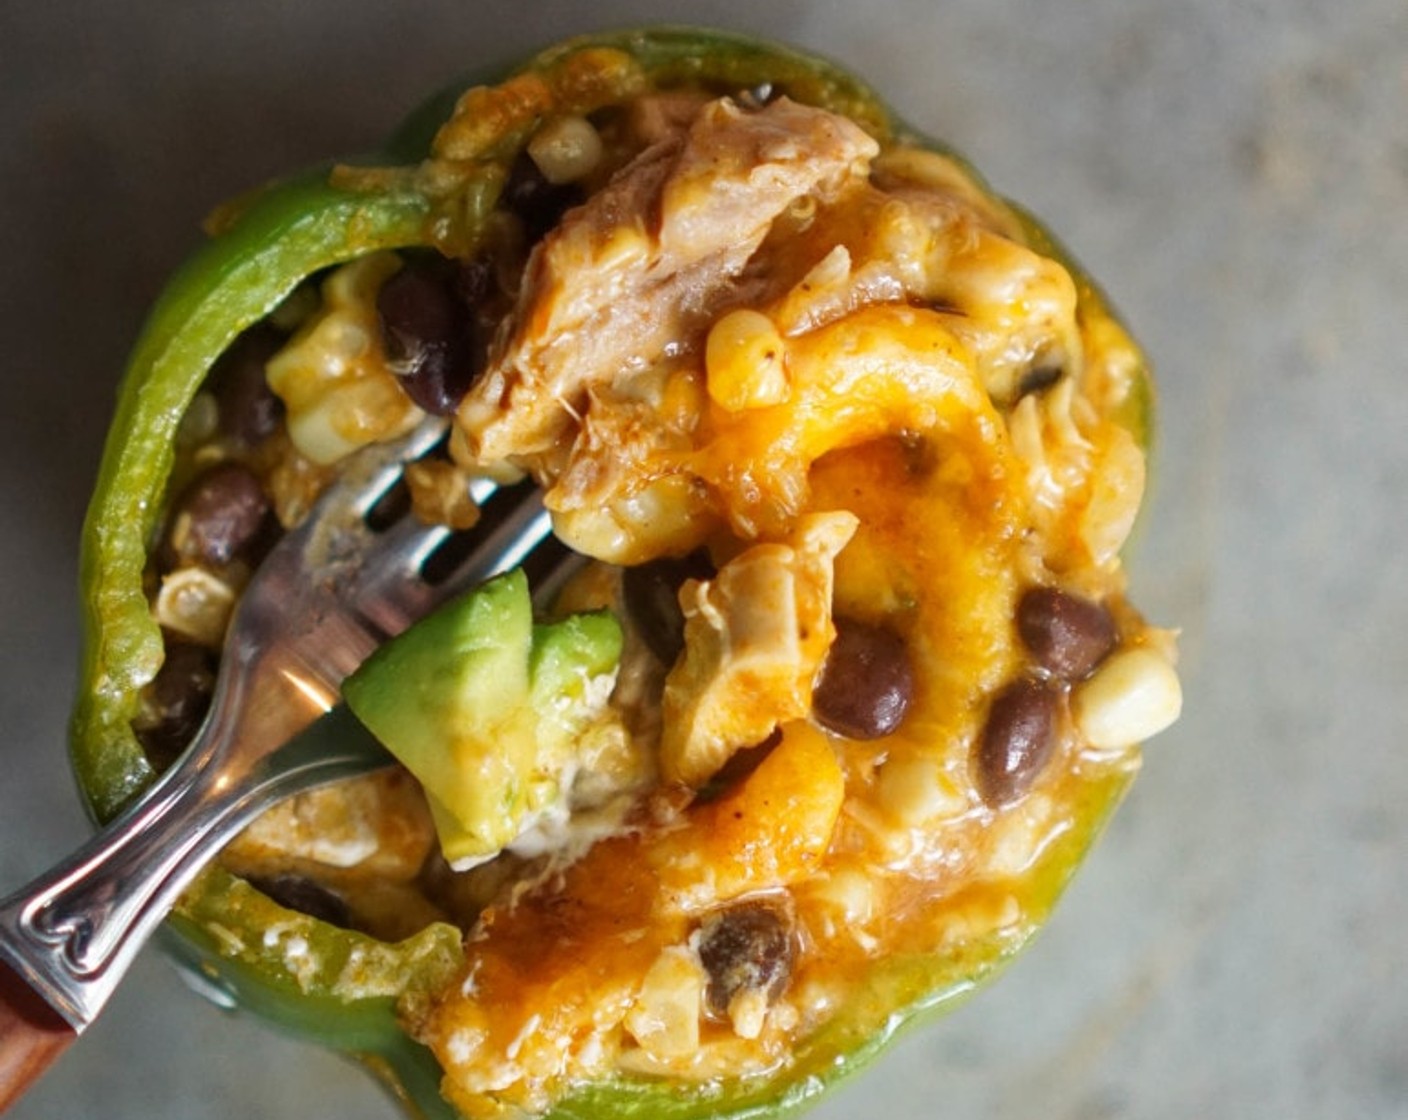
507, 545
402, 549
375, 470
393, 573
400, 552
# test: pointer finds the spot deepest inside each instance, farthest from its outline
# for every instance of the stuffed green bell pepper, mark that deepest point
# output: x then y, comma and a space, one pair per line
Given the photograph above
847, 682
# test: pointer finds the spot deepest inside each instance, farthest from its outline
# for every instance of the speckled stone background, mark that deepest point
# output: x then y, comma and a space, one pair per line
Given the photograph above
1237, 175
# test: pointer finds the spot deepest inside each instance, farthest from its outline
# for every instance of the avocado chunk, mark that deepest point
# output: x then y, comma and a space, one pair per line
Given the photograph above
484, 708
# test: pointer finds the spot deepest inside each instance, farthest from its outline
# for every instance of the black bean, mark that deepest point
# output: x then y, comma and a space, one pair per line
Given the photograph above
651, 593
249, 410
748, 947
295, 892
220, 515
1017, 741
472, 281
177, 701
866, 684
1068, 635
538, 204
429, 335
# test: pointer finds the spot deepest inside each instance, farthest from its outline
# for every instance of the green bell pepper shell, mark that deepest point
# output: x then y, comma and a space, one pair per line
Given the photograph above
264, 246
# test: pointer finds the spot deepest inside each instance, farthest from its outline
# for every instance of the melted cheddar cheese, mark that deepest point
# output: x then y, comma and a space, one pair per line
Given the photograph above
869, 398
846, 391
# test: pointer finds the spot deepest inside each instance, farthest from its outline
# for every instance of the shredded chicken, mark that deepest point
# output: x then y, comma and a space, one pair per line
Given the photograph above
755, 638
642, 269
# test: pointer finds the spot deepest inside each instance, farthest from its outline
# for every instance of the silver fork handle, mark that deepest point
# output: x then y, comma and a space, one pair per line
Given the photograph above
73, 932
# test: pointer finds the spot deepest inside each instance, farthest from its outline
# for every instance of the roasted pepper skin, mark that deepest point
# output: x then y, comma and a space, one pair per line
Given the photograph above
262, 247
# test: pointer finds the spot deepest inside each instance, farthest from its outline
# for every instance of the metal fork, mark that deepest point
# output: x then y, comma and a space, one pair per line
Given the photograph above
328, 593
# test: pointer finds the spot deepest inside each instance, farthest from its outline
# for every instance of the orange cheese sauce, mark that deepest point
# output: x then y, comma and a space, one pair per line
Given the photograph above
912, 444
848, 375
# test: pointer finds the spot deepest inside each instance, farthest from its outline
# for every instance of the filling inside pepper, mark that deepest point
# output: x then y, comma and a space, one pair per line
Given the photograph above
852, 462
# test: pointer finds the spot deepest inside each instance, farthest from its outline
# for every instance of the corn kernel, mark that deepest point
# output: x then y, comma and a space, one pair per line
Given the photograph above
1134, 694
915, 790
747, 1012
667, 515
566, 149
196, 604
745, 361
850, 893
1018, 837
332, 375
440, 494
664, 1019
351, 413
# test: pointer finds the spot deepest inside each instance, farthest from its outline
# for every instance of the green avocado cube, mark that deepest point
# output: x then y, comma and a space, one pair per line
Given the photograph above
568, 660
483, 707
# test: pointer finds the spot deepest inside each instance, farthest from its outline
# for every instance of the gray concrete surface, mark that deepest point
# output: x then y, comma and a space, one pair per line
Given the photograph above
1236, 173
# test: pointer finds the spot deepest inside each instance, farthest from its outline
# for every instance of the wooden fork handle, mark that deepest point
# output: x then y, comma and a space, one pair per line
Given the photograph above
32, 1036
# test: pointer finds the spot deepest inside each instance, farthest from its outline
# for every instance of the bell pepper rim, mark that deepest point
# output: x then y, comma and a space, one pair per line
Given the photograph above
278, 237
